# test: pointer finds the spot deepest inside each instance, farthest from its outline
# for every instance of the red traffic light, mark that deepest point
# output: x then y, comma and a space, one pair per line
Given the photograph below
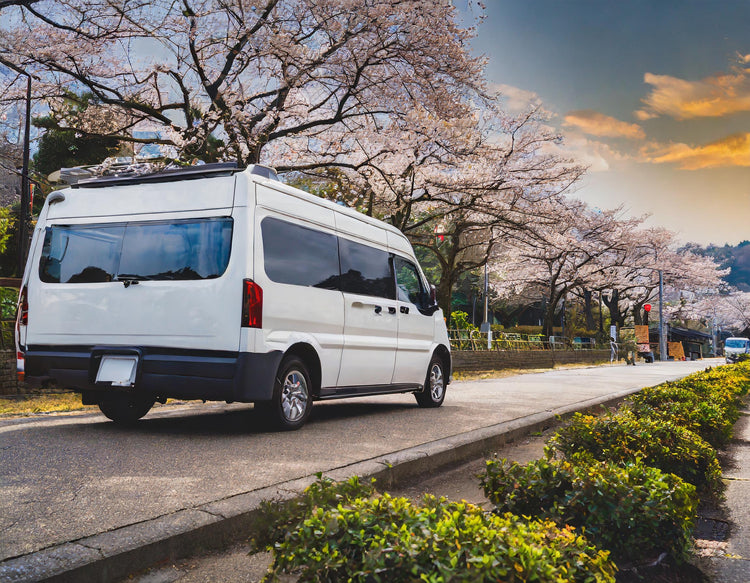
647, 307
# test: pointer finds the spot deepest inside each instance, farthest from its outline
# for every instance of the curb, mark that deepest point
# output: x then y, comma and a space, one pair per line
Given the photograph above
111, 556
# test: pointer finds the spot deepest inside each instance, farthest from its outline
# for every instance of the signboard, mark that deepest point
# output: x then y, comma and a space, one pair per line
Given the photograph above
641, 334
675, 349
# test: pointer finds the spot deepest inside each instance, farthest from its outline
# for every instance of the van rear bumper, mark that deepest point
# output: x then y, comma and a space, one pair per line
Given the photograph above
167, 373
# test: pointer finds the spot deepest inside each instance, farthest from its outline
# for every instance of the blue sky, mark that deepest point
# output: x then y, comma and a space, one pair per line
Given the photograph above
653, 96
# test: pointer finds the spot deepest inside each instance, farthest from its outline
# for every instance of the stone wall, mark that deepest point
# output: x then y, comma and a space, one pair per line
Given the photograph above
486, 360
9, 384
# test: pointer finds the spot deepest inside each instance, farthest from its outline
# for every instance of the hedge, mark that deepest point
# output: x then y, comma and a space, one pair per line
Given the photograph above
393, 540
635, 511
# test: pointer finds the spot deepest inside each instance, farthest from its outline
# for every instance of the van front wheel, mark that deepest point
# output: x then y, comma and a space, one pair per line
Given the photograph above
433, 393
125, 409
292, 400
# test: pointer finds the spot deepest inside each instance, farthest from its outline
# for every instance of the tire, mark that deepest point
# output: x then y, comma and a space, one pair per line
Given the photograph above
292, 396
433, 393
125, 409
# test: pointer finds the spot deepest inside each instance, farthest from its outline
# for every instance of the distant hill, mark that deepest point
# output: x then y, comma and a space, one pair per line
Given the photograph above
737, 258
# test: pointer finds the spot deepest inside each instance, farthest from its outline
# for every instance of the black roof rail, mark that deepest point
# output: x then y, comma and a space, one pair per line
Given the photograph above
170, 175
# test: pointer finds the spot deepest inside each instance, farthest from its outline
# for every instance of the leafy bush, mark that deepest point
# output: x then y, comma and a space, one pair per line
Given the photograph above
711, 415
622, 437
392, 540
460, 321
634, 511
735, 378
8, 300
277, 518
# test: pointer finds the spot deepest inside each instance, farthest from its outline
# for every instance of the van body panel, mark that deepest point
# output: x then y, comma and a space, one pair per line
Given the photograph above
199, 314
397, 242
110, 202
319, 320
370, 341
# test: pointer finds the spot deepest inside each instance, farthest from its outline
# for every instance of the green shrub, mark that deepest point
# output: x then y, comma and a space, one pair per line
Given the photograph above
389, 539
622, 438
276, 518
732, 380
634, 511
710, 415
8, 301
460, 321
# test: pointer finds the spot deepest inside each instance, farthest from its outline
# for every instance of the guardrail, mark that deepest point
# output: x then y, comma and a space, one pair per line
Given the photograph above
475, 340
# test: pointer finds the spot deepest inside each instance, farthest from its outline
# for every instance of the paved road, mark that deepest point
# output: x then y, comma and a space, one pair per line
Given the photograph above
66, 477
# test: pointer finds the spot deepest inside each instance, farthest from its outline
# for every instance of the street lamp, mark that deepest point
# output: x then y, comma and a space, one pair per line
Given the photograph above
23, 218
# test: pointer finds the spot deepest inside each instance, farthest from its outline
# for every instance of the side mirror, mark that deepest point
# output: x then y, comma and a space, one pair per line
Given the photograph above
431, 304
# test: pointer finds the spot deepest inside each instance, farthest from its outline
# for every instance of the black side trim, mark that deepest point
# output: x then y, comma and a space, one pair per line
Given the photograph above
363, 391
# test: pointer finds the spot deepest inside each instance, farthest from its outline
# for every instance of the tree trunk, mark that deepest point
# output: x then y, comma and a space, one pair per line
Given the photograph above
588, 310
444, 296
613, 303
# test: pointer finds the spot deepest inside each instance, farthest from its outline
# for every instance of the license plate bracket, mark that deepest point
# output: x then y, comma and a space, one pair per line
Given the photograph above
118, 370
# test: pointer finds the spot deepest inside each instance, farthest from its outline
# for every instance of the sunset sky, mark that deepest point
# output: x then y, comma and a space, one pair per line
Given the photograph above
654, 96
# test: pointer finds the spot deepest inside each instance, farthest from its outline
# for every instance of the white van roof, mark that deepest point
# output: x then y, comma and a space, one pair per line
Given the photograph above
214, 189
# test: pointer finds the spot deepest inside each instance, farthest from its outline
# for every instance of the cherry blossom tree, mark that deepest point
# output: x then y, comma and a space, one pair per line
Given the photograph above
635, 282
572, 249
290, 73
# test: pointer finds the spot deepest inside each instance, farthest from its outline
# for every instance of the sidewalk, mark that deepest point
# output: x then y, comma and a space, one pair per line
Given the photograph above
122, 500
729, 560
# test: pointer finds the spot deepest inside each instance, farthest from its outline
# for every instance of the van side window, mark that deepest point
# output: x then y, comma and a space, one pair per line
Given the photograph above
409, 287
298, 255
365, 270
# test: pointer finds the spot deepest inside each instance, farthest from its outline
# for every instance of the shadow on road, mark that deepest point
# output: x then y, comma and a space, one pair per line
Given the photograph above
237, 420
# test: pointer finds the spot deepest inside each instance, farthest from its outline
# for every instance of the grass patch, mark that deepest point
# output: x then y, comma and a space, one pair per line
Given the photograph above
48, 403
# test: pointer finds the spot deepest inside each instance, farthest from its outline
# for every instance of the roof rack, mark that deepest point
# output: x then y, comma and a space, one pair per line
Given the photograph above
171, 175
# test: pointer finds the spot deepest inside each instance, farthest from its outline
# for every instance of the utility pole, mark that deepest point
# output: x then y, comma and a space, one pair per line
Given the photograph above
23, 219
662, 333
485, 327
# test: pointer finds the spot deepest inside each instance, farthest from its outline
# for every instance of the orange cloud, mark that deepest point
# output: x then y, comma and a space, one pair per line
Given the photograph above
597, 124
733, 150
715, 96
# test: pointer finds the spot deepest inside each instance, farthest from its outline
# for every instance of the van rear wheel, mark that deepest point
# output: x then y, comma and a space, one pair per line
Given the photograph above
433, 393
124, 409
292, 397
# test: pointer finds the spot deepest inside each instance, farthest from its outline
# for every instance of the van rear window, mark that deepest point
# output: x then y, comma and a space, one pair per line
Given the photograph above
157, 250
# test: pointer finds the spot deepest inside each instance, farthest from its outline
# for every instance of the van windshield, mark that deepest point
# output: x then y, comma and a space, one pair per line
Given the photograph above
735, 343
158, 250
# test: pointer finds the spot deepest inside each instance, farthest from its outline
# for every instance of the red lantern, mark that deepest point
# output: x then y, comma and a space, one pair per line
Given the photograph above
647, 307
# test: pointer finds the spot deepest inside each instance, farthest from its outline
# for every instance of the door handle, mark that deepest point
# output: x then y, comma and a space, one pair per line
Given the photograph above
391, 310
404, 309
378, 309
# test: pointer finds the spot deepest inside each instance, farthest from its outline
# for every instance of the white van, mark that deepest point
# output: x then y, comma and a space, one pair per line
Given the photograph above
734, 347
220, 284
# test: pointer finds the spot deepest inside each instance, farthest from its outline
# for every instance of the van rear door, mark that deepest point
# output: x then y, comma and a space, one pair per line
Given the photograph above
139, 265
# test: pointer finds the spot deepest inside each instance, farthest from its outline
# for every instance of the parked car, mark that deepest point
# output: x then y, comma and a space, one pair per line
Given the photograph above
216, 283
734, 347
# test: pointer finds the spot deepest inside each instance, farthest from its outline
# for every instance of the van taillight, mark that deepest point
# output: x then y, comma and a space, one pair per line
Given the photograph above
252, 304
23, 308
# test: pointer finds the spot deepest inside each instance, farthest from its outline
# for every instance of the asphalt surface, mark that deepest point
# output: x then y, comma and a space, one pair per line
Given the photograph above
81, 499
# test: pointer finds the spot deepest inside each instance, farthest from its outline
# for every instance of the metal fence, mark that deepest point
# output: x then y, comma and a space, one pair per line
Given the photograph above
475, 340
